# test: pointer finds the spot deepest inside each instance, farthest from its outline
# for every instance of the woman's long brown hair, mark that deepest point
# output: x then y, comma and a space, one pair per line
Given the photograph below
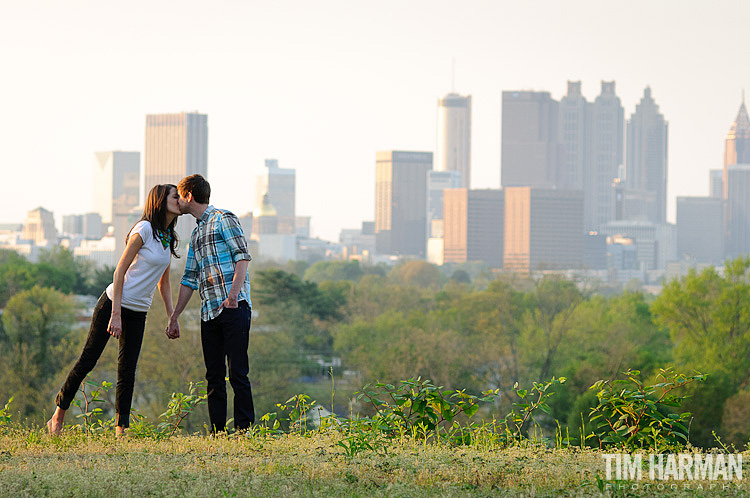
155, 212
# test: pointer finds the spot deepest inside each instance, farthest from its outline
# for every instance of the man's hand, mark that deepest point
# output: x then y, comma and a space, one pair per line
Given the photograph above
173, 328
229, 302
115, 326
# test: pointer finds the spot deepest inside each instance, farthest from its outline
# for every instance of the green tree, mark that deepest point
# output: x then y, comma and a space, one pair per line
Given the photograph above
99, 279
333, 271
708, 317
16, 274
609, 336
417, 273
38, 345
302, 308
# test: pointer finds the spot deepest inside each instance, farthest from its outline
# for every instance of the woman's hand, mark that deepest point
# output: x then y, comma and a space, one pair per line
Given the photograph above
173, 329
115, 326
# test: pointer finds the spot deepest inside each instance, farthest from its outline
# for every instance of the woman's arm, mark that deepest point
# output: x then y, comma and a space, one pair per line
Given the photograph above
166, 291
115, 322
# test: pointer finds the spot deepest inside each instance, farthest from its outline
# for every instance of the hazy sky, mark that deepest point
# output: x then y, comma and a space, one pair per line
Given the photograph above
321, 85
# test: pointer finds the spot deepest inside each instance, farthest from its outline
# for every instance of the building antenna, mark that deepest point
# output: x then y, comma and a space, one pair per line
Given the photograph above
453, 78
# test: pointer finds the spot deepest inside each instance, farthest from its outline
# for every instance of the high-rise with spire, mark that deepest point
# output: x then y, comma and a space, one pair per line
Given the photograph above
646, 168
737, 144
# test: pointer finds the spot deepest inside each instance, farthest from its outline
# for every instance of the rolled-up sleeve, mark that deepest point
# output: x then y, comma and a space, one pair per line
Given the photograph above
233, 235
190, 277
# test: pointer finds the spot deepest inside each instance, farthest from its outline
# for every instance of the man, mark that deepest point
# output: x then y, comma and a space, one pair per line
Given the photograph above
216, 265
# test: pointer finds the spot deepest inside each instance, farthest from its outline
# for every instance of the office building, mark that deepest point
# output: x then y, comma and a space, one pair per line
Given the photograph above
646, 168
575, 136
400, 200
454, 136
473, 226
39, 227
700, 229
738, 211
302, 226
716, 183
591, 136
272, 245
176, 146
437, 182
531, 151
656, 243
117, 183
543, 229
88, 225
279, 185
606, 142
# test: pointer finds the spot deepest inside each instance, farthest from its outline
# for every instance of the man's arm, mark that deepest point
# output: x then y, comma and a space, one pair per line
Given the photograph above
240, 270
231, 231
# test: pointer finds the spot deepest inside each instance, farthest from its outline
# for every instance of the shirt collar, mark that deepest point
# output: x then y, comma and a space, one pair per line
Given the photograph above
206, 214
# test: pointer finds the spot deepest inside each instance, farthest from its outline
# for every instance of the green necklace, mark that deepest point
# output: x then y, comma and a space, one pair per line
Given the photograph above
164, 237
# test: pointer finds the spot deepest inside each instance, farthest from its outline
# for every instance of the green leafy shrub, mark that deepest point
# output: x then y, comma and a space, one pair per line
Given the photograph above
90, 406
419, 407
633, 415
5, 413
180, 406
531, 401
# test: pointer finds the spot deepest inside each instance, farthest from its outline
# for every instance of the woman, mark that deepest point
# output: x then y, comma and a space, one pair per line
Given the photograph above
121, 310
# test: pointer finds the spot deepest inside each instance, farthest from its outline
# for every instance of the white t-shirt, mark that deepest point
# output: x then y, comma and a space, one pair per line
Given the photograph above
144, 272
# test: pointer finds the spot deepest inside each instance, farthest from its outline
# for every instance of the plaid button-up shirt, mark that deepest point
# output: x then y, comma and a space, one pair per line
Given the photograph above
216, 245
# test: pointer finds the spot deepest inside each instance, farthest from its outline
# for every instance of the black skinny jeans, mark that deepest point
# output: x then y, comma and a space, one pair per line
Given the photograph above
131, 338
226, 337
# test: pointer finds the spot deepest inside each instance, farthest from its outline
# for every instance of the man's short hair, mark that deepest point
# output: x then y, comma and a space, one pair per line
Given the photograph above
196, 185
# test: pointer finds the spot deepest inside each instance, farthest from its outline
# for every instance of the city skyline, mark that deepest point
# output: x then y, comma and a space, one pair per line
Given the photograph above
318, 88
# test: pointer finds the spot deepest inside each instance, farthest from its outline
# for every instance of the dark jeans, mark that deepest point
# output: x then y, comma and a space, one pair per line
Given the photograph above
133, 324
226, 336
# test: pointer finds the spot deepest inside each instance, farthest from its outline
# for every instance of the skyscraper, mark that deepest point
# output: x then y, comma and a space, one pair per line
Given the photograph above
700, 229
176, 146
716, 182
646, 169
543, 229
474, 222
454, 136
39, 227
117, 183
279, 185
737, 144
531, 150
400, 201
575, 133
607, 117
738, 211
437, 182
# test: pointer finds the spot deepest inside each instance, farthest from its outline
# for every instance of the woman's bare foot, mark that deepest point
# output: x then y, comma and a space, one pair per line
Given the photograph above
54, 428
121, 432
55, 424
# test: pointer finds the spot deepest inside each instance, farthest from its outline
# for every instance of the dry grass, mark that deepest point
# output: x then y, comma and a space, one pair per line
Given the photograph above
32, 464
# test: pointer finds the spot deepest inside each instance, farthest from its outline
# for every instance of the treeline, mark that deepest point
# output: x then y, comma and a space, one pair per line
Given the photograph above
468, 329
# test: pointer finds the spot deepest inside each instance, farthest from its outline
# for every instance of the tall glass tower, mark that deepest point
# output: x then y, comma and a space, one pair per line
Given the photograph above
176, 146
454, 136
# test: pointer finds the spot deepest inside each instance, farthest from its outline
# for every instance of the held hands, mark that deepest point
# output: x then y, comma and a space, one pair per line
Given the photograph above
173, 328
115, 326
